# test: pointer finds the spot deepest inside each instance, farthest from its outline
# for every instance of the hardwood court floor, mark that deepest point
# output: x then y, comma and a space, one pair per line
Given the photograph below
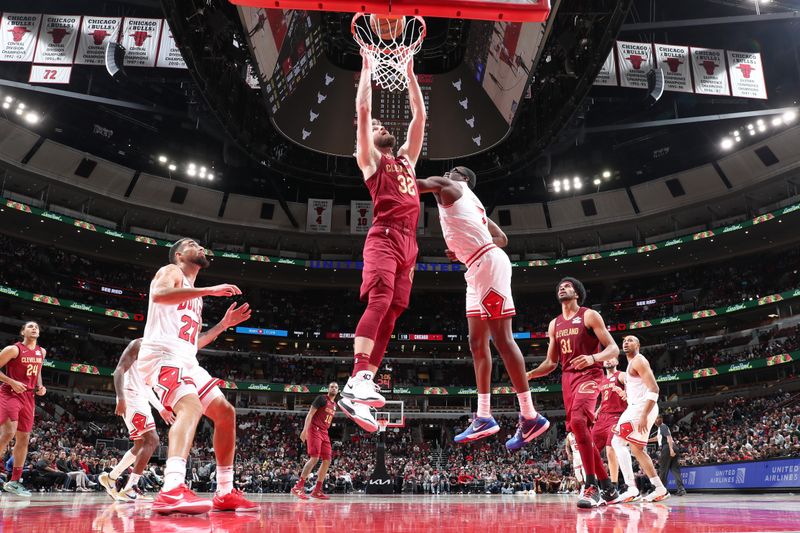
695, 513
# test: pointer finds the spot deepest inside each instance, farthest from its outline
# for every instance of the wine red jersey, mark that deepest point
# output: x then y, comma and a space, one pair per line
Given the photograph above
393, 189
613, 400
574, 339
25, 367
323, 417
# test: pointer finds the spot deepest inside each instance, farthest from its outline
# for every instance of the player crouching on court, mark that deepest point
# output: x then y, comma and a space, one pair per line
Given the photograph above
476, 241
635, 423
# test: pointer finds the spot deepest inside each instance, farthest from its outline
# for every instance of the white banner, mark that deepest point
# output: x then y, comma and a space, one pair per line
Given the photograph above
95, 33
140, 37
169, 56
608, 74
634, 60
747, 75
360, 216
57, 39
710, 75
674, 61
18, 33
50, 74
318, 217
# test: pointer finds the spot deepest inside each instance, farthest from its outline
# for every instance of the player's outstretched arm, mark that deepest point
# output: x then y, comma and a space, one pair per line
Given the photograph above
9, 353
233, 317
366, 153
550, 362
126, 360
416, 128
41, 390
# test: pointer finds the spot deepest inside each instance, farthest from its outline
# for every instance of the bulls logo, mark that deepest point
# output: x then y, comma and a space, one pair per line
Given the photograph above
636, 61
139, 422
99, 36
493, 303
746, 69
18, 32
319, 211
709, 66
673, 63
139, 37
58, 34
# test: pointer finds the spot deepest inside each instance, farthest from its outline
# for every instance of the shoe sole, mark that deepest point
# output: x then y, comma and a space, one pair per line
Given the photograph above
237, 510
530, 437
320, 498
659, 498
299, 497
374, 402
366, 425
15, 493
478, 435
183, 508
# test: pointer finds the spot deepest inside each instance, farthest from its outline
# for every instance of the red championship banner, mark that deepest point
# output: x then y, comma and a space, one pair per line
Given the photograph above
18, 33
169, 55
747, 75
58, 36
608, 73
96, 32
634, 60
140, 37
674, 61
710, 74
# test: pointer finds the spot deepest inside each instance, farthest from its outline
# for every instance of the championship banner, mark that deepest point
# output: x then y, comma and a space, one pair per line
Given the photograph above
140, 37
747, 75
360, 216
674, 61
608, 73
18, 33
95, 33
318, 216
57, 39
169, 55
710, 75
634, 60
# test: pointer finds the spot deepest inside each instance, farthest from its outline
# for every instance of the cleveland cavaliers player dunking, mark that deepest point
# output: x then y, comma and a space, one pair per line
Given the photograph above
390, 251
168, 363
476, 241
580, 340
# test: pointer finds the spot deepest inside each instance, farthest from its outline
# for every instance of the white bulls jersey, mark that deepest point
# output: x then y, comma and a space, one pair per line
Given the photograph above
173, 330
635, 387
464, 225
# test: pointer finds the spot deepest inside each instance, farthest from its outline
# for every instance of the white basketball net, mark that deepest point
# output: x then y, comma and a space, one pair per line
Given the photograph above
389, 58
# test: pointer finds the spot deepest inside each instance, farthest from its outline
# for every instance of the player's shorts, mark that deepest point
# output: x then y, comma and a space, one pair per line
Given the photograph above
138, 417
603, 429
318, 444
172, 379
626, 427
489, 284
580, 391
390, 256
18, 408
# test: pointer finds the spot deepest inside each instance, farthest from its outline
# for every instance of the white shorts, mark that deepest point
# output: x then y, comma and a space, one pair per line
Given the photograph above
628, 420
138, 417
489, 286
172, 379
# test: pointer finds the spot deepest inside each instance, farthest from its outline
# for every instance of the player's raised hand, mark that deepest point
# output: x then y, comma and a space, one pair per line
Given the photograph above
168, 416
529, 375
236, 315
451, 255
120, 410
582, 361
41, 391
303, 436
224, 290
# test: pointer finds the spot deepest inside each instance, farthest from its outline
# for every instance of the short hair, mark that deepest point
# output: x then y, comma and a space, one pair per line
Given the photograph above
473, 179
175, 248
26, 323
577, 285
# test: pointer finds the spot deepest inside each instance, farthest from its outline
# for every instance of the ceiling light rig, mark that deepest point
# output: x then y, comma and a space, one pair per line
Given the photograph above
576, 184
759, 126
21, 109
191, 169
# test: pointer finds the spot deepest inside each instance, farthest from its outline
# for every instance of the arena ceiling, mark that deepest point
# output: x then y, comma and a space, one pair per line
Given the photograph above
159, 111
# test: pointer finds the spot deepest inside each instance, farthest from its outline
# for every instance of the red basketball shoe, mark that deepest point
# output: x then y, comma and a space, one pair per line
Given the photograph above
180, 500
234, 501
318, 494
299, 491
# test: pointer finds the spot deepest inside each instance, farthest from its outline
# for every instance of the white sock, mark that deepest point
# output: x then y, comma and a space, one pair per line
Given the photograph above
133, 479
174, 473
363, 374
656, 481
624, 460
124, 463
484, 405
526, 404
224, 479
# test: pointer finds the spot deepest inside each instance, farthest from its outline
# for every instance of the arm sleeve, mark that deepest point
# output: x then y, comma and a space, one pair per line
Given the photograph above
319, 402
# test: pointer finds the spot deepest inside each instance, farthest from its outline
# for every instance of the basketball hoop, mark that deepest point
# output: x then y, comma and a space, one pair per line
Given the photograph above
382, 424
390, 42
